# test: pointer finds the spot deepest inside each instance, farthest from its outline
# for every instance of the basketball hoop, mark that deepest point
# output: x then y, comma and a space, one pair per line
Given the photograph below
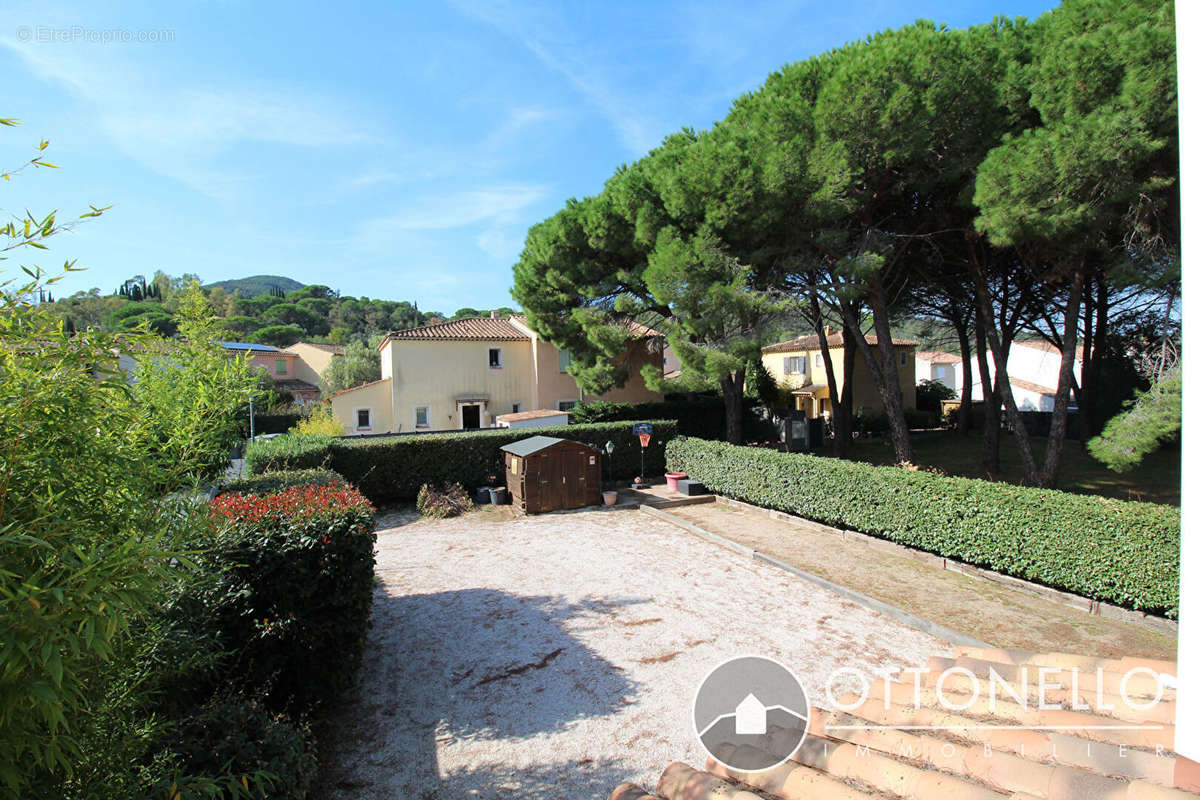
645, 439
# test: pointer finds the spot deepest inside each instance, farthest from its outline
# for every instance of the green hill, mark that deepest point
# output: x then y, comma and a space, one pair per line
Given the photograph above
256, 285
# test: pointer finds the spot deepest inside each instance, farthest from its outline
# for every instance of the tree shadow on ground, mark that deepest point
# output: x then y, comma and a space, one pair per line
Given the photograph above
472, 673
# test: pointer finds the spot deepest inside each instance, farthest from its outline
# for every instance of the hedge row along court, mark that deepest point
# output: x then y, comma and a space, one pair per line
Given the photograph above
391, 469
1119, 552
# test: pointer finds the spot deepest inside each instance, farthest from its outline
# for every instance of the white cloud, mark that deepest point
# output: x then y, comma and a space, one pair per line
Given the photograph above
180, 130
544, 34
461, 209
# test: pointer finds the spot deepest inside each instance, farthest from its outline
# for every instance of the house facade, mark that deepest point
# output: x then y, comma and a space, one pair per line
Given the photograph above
798, 366
313, 359
284, 366
944, 368
465, 373
1032, 372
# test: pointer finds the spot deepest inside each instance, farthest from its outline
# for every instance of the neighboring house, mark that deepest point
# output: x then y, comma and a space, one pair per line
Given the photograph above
467, 372
945, 368
281, 365
797, 365
1032, 372
313, 359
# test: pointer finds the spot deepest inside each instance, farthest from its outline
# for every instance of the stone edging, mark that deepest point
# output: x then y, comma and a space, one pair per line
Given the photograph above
900, 615
1096, 607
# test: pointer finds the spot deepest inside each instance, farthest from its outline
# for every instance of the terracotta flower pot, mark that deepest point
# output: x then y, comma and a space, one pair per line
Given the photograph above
673, 479
610, 498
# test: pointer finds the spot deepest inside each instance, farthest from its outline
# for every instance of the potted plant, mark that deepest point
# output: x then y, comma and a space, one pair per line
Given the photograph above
673, 479
610, 497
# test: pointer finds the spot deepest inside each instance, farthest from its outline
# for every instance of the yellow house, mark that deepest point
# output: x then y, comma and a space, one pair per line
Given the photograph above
797, 365
465, 373
313, 359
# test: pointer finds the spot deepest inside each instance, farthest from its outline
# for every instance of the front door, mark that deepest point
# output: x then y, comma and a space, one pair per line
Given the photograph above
470, 416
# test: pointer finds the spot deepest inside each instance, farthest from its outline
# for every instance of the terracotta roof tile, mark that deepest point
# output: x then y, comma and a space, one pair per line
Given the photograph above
811, 342
938, 357
636, 328
477, 329
1031, 387
1043, 345
336, 349
360, 386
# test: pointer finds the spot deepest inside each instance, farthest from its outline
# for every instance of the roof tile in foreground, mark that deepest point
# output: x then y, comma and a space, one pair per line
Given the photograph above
975, 751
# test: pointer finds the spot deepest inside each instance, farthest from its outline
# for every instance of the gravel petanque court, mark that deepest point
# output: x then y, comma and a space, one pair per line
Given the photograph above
558, 655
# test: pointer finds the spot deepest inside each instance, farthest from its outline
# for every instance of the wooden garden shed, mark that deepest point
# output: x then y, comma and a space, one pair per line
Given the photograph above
548, 474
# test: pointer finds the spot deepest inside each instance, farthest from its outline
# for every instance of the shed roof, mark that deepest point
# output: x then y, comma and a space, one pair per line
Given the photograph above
534, 444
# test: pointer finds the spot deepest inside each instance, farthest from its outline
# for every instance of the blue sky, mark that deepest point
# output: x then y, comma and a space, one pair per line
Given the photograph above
398, 151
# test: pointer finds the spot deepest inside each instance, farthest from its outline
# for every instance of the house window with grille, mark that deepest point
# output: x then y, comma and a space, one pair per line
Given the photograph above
495, 360
362, 419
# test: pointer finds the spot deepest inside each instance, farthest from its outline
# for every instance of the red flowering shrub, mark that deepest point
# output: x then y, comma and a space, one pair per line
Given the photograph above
297, 501
293, 597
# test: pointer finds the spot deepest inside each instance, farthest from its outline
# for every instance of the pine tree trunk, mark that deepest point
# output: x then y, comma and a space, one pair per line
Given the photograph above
989, 457
885, 374
838, 415
983, 305
1058, 423
733, 390
1085, 395
968, 380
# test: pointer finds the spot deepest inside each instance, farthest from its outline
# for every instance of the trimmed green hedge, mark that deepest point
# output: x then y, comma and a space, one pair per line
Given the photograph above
291, 590
390, 469
1111, 550
272, 482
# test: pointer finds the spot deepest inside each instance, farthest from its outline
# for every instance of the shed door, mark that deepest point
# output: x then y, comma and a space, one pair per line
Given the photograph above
577, 478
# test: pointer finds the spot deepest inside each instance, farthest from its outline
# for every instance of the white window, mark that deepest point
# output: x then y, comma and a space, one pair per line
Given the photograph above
819, 361
795, 365
421, 417
567, 405
564, 360
362, 419
495, 358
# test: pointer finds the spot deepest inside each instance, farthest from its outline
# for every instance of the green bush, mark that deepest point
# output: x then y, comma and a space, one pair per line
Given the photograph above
703, 416
293, 594
930, 395
272, 482
289, 452
444, 501
393, 468
239, 735
1119, 552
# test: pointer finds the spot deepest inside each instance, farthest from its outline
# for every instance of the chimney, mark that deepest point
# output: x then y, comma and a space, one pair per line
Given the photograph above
495, 315
829, 331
